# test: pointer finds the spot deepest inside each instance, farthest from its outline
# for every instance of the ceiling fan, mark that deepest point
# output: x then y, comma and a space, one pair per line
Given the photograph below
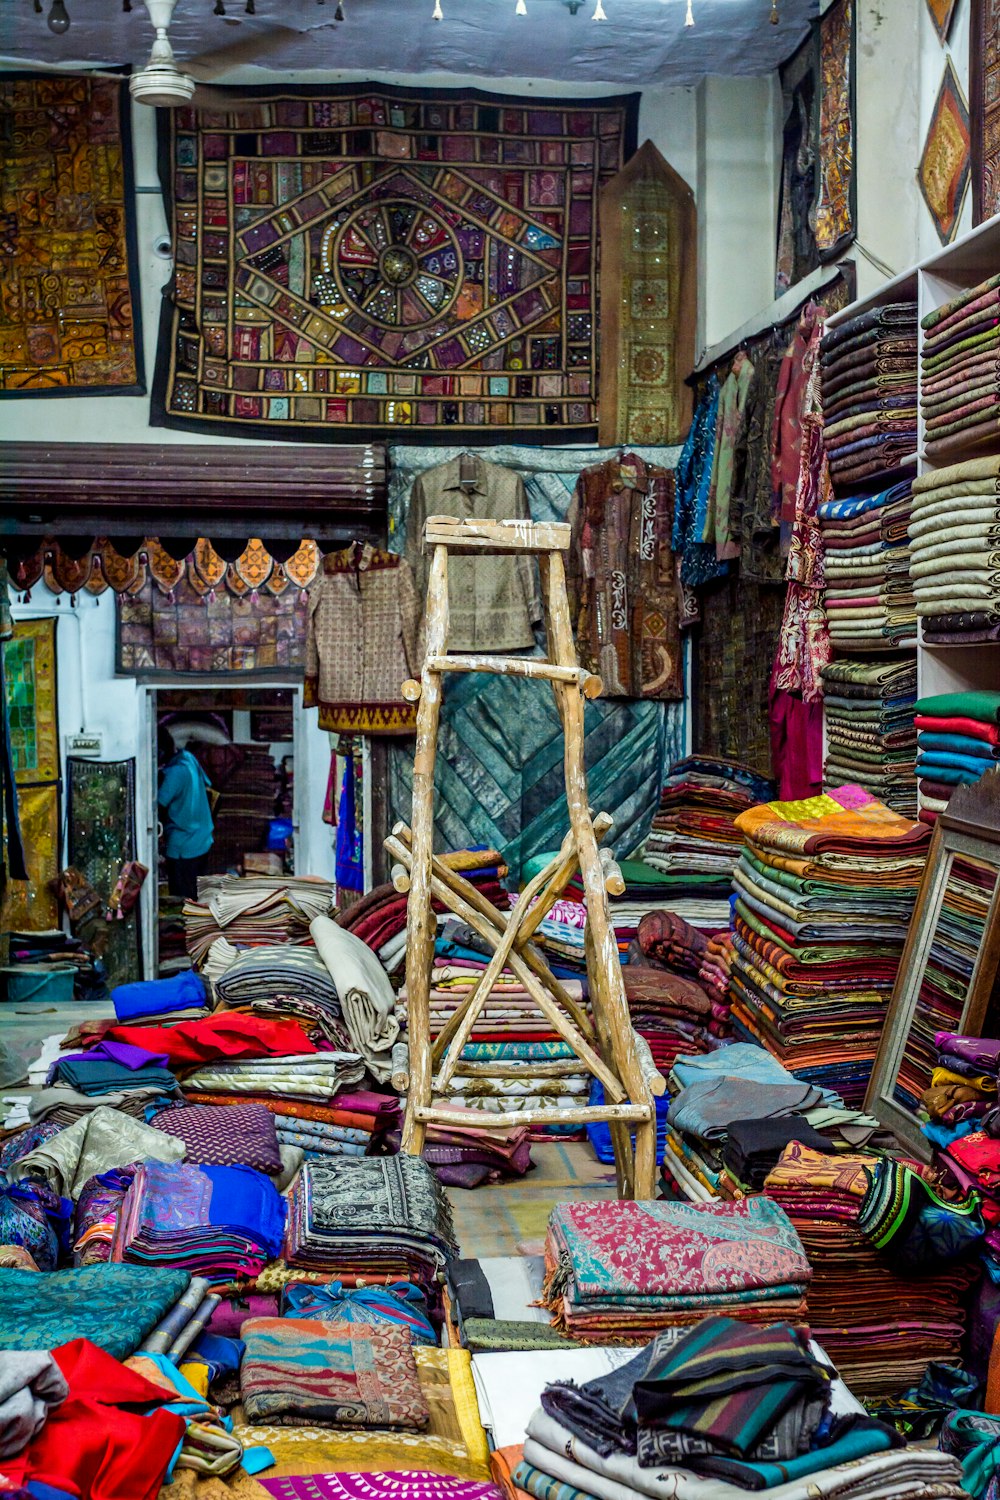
164, 84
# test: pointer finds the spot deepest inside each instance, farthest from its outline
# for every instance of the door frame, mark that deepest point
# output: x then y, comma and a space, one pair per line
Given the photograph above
147, 831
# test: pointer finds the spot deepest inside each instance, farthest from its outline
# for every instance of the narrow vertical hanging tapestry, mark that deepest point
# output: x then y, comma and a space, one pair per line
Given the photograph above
835, 217
30, 671
69, 316
984, 107
100, 838
369, 259
942, 13
648, 303
943, 173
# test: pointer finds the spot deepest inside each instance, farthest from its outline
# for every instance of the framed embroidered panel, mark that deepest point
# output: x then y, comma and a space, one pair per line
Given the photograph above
944, 168
369, 260
984, 109
835, 217
941, 13
32, 710
70, 323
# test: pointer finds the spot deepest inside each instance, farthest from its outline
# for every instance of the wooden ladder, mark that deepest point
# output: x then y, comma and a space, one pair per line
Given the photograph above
608, 1048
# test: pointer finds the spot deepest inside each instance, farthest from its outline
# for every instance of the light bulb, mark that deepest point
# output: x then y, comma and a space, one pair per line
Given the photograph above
520, 9
599, 12
438, 12
689, 18
58, 17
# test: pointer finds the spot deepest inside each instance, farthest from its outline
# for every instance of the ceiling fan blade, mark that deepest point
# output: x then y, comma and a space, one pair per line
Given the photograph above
23, 65
213, 101
205, 66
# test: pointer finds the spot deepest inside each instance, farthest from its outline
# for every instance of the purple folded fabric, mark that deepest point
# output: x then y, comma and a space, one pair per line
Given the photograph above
228, 1318
225, 1135
982, 1051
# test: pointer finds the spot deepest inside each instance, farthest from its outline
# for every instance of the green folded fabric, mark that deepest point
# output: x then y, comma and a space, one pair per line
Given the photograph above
980, 705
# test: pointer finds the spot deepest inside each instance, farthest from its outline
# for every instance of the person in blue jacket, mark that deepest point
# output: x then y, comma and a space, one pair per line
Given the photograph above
186, 814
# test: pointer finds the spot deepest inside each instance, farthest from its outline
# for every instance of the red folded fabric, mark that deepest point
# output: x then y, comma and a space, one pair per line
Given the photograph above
225, 1034
974, 727
96, 1444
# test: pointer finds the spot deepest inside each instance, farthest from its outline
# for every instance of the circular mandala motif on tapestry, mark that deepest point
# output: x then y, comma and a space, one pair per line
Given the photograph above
398, 263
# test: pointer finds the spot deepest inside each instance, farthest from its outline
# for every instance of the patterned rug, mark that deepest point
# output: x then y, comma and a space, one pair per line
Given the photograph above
187, 631
66, 204
496, 1218
368, 259
100, 837
984, 94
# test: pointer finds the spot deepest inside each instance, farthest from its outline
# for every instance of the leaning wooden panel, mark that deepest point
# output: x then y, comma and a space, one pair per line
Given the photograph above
649, 241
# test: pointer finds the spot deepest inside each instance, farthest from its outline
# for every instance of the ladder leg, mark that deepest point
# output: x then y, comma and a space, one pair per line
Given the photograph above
621, 1139
420, 920
610, 992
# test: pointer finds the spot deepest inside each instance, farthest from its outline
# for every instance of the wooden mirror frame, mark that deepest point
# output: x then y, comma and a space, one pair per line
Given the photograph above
970, 826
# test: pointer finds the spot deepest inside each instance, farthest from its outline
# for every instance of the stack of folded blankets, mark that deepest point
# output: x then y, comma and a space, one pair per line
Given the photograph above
285, 980
618, 1272
464, 1154
955, 552
245, 912
722, 1410
494, 1304
371, 1217
314, 1077
668, 1005
868, 599
881, 1323
825, 890
869, 392
714, 970
216, 1222
962, 1094
870, 734
958, 741
693, 840
560, 936
732, 1113
960, 358
650, 889
509, 1029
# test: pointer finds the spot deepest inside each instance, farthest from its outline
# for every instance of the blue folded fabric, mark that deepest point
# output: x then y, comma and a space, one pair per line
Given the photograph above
155, 997
857, 505
956, 744
950, 775
246, 1200
943, 760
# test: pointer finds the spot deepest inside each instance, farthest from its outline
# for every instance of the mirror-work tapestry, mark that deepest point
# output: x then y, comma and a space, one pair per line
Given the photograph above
369, 259
30, 673
69, 320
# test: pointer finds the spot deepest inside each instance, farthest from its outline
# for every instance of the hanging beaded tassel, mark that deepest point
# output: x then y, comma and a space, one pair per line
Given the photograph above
775, 18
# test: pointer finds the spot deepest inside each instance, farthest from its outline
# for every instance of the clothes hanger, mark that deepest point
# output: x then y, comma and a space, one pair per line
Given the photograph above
468, 471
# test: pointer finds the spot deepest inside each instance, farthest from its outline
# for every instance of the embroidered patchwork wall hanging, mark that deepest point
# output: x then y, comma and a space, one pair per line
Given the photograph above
32, 708
835, 217
945, 161
984, 88
373, 259
69, 320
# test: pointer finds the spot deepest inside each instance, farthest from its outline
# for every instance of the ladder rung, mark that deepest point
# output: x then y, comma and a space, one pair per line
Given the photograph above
495, 536
584, 1115
518, 666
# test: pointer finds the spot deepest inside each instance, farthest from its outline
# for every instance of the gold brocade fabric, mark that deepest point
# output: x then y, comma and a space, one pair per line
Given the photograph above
30, 671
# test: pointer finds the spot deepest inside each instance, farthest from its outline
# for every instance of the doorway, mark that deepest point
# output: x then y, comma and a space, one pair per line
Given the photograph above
248, 741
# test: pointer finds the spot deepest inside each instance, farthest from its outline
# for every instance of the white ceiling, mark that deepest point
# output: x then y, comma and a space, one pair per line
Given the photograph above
641, 42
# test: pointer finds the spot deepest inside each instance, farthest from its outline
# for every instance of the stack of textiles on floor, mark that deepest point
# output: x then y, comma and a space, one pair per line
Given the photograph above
693, 839
825, 890
962, 1094
243, 813
715, 968
561, 936
253, 911
720, 1409
871, 738
493, 1304
285, 980
880, 1323
358, 1117
314, 1077
510, 1029
371, 1217
618, 1272
868, 598
379, 919
959, 360
955, 552
465, 1155
869, 393
958, 741
216, 1222
732, 1113
668, 1006
649, 889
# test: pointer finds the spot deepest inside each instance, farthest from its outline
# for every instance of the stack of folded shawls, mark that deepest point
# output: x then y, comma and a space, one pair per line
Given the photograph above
958, 741
713, 1413
310, 1077
650, 889
715, 967
620, 1271
244, 1135
254, 910
868, 375
673, 1013
259, 974
959, 365
955, 552
868, 598
962, 1093
870, 735
560, 935
825, 890
373, 1216
464, 1154
693, 840
882, 1329
494, 1304
349, 1117
216, 1222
